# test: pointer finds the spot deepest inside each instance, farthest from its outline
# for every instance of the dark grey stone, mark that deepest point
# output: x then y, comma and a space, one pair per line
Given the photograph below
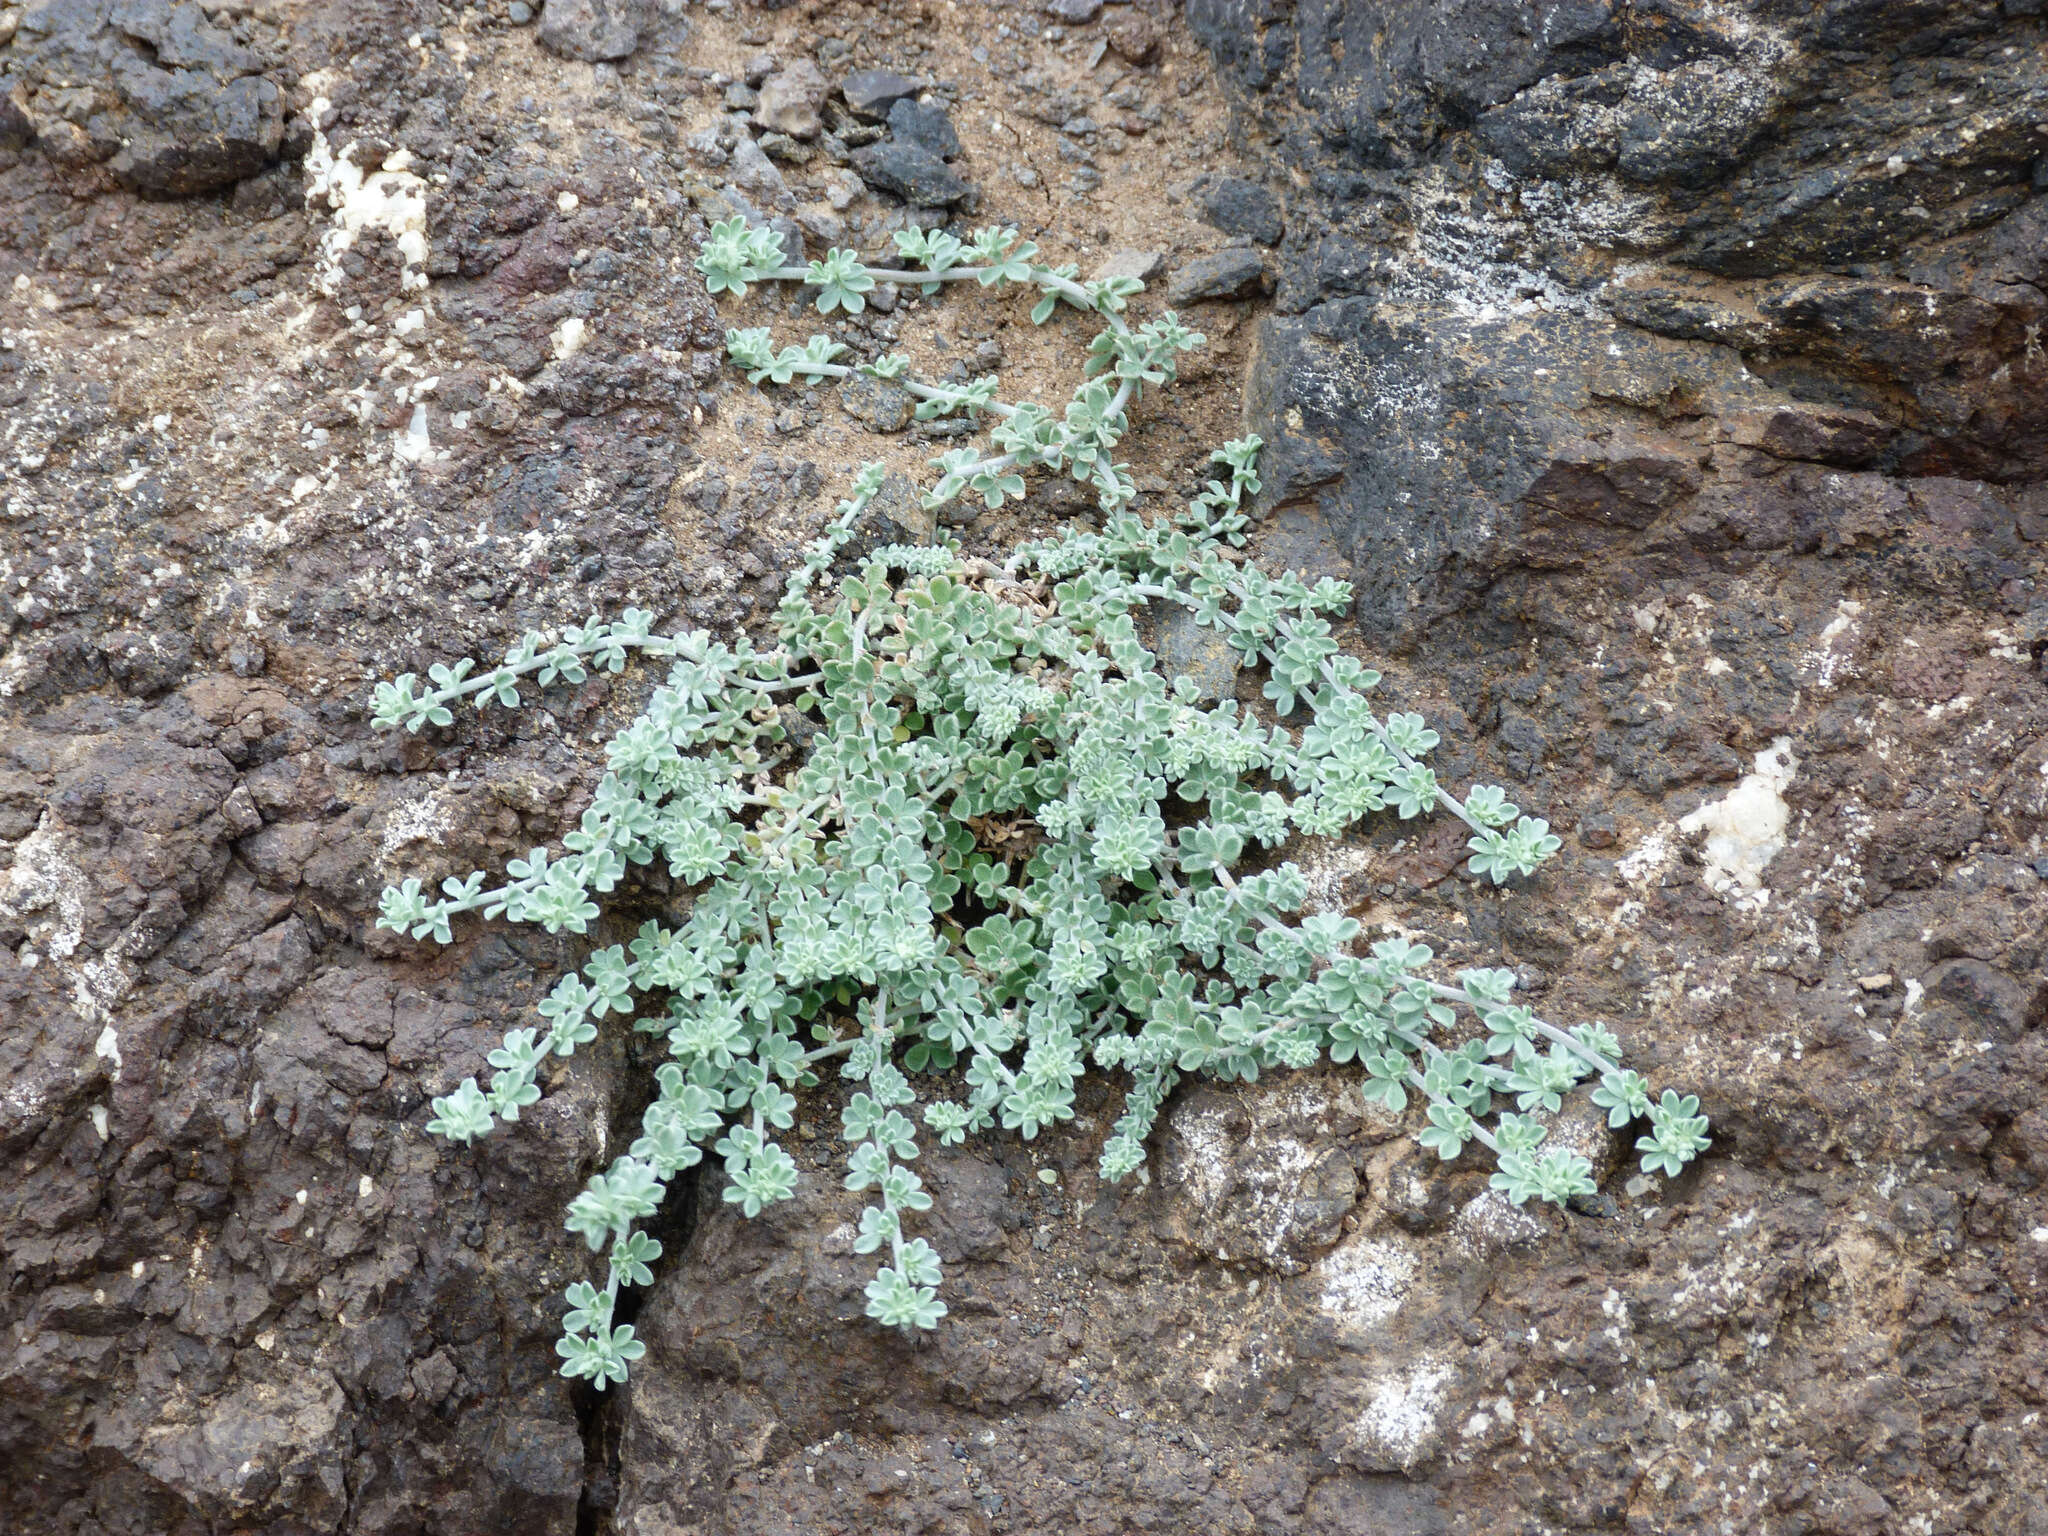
780, 146
910, 172
178, 106
871, 93
1226, 275
898, 515
593, 30
1198, 652
1074, 12
1240, 207
926, 125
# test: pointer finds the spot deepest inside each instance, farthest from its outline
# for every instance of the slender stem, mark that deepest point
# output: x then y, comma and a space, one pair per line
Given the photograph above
916, 387
654, 645
827, 1052
1479, 1132
943, 392
880, 274
1549, 1031
1043, 278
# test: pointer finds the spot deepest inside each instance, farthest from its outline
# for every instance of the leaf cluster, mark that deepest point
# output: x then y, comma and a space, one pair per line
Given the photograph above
826, 802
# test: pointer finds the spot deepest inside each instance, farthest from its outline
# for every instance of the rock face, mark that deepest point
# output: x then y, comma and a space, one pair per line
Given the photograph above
1692, 353
241, 1289
1666, 227
913, 161
1725, 554
1224, 275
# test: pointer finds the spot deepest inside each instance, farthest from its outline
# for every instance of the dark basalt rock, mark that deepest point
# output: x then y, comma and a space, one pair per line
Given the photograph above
1240, 207
1649, 456
926, 125
169, 102
870, 93
594, 30
1843, 255
1685, 350
910, 172
1227, 274
911, 162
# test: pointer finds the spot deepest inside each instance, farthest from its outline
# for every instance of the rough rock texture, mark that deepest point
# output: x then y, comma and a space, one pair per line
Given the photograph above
1725, 554
246, 465
913, 161
1715, 243
162, 97
1225, 275
790, 99
872, 92
592, 30
1671, 374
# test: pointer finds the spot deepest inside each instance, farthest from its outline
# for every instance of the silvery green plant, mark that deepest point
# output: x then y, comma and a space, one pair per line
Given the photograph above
1080, 441
953, 832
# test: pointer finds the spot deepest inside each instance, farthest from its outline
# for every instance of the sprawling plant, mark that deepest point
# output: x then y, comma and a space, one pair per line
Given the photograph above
954, 831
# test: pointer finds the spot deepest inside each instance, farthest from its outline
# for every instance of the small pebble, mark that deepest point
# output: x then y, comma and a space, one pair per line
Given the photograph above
881, 405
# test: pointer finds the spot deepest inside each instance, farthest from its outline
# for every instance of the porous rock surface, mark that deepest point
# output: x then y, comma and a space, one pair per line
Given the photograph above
167, 99
1666, 375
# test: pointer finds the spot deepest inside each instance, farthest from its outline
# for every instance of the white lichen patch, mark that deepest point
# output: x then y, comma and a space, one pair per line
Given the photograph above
1647, 859
1203, 1166
46, 890
1490, 1224
1263, 1193
1270, 1187
1335, 872
1364, 1283
391, 200
425, 820
1746, 830
45, 879
1401, 1422
1829, 660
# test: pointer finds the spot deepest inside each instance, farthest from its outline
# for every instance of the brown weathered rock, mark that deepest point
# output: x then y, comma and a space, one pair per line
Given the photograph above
1134, 35
790, 99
